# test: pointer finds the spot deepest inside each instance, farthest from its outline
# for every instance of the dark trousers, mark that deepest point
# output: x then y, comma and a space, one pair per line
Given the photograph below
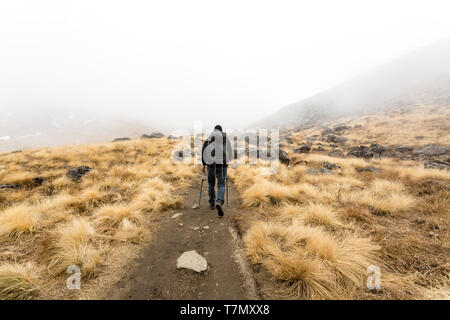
221, 173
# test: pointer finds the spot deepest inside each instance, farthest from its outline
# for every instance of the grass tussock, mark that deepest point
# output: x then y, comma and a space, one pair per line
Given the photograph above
17, 282
73, 244
309, 262
18, 220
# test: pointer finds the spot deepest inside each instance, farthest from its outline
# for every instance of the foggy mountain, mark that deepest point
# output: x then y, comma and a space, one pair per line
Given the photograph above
23, 128
422, 76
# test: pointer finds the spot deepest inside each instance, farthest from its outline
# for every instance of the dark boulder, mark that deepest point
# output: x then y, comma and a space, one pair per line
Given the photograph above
9, 186
319, 149
303, 149
404, 149
336, 139
153, 135
368, 169
377, 148
121, 139
38, 181
330, 166
431, 150
360, 152
284, 157
336, 153
340, 128
436, 164
326, 131
78, 172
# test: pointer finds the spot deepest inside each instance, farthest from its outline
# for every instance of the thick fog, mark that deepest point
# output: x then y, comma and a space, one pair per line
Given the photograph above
168, 63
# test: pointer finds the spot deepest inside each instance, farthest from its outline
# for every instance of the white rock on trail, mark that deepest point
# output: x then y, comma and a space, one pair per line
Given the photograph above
193, 261
176, 215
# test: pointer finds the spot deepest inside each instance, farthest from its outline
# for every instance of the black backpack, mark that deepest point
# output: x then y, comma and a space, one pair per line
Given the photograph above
213, 153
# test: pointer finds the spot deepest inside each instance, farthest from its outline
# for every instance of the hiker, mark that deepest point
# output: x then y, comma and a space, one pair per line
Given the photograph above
216, 154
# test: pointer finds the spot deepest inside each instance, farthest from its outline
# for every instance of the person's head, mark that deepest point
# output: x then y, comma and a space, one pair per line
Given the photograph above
218, 127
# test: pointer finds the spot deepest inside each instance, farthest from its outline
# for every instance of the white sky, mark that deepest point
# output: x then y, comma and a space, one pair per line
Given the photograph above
173, 62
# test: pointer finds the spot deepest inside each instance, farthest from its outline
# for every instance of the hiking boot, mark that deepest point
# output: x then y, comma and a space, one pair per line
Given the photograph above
219, 209
211, 206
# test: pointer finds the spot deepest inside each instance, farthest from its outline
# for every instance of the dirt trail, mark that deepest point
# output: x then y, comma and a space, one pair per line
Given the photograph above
154, 274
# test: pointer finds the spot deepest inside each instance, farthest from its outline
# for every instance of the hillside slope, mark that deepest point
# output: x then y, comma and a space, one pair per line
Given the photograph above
422, 76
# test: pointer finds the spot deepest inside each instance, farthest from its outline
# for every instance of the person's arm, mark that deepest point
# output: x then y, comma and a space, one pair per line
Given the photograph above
229, 151
203, 153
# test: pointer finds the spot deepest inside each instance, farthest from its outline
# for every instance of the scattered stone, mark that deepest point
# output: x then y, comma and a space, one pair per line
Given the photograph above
206, 227
303, 149
9, 186
368, 169
436, 164
38, 181
331, 166
121, 139
336, 139
404, 149
431, 150
153, 135
326, 131
195, 206
340, 128
325, 171
374, 150
336, 153
180, 224
311, 171
78, 172
284, 157
176, 215
193, 261
377, 148
319, 149
360, 152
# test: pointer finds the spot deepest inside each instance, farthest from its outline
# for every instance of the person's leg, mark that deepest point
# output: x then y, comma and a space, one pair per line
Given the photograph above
221, 176
212, 184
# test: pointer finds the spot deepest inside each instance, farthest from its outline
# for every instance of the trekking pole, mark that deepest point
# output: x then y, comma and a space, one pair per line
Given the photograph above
226, 186
201, 187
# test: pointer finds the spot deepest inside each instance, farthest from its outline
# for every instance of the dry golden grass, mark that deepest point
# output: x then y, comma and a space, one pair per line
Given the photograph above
316, 234
73, 244
310, 262
17, 282
414, 126
17, 220
64, 222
